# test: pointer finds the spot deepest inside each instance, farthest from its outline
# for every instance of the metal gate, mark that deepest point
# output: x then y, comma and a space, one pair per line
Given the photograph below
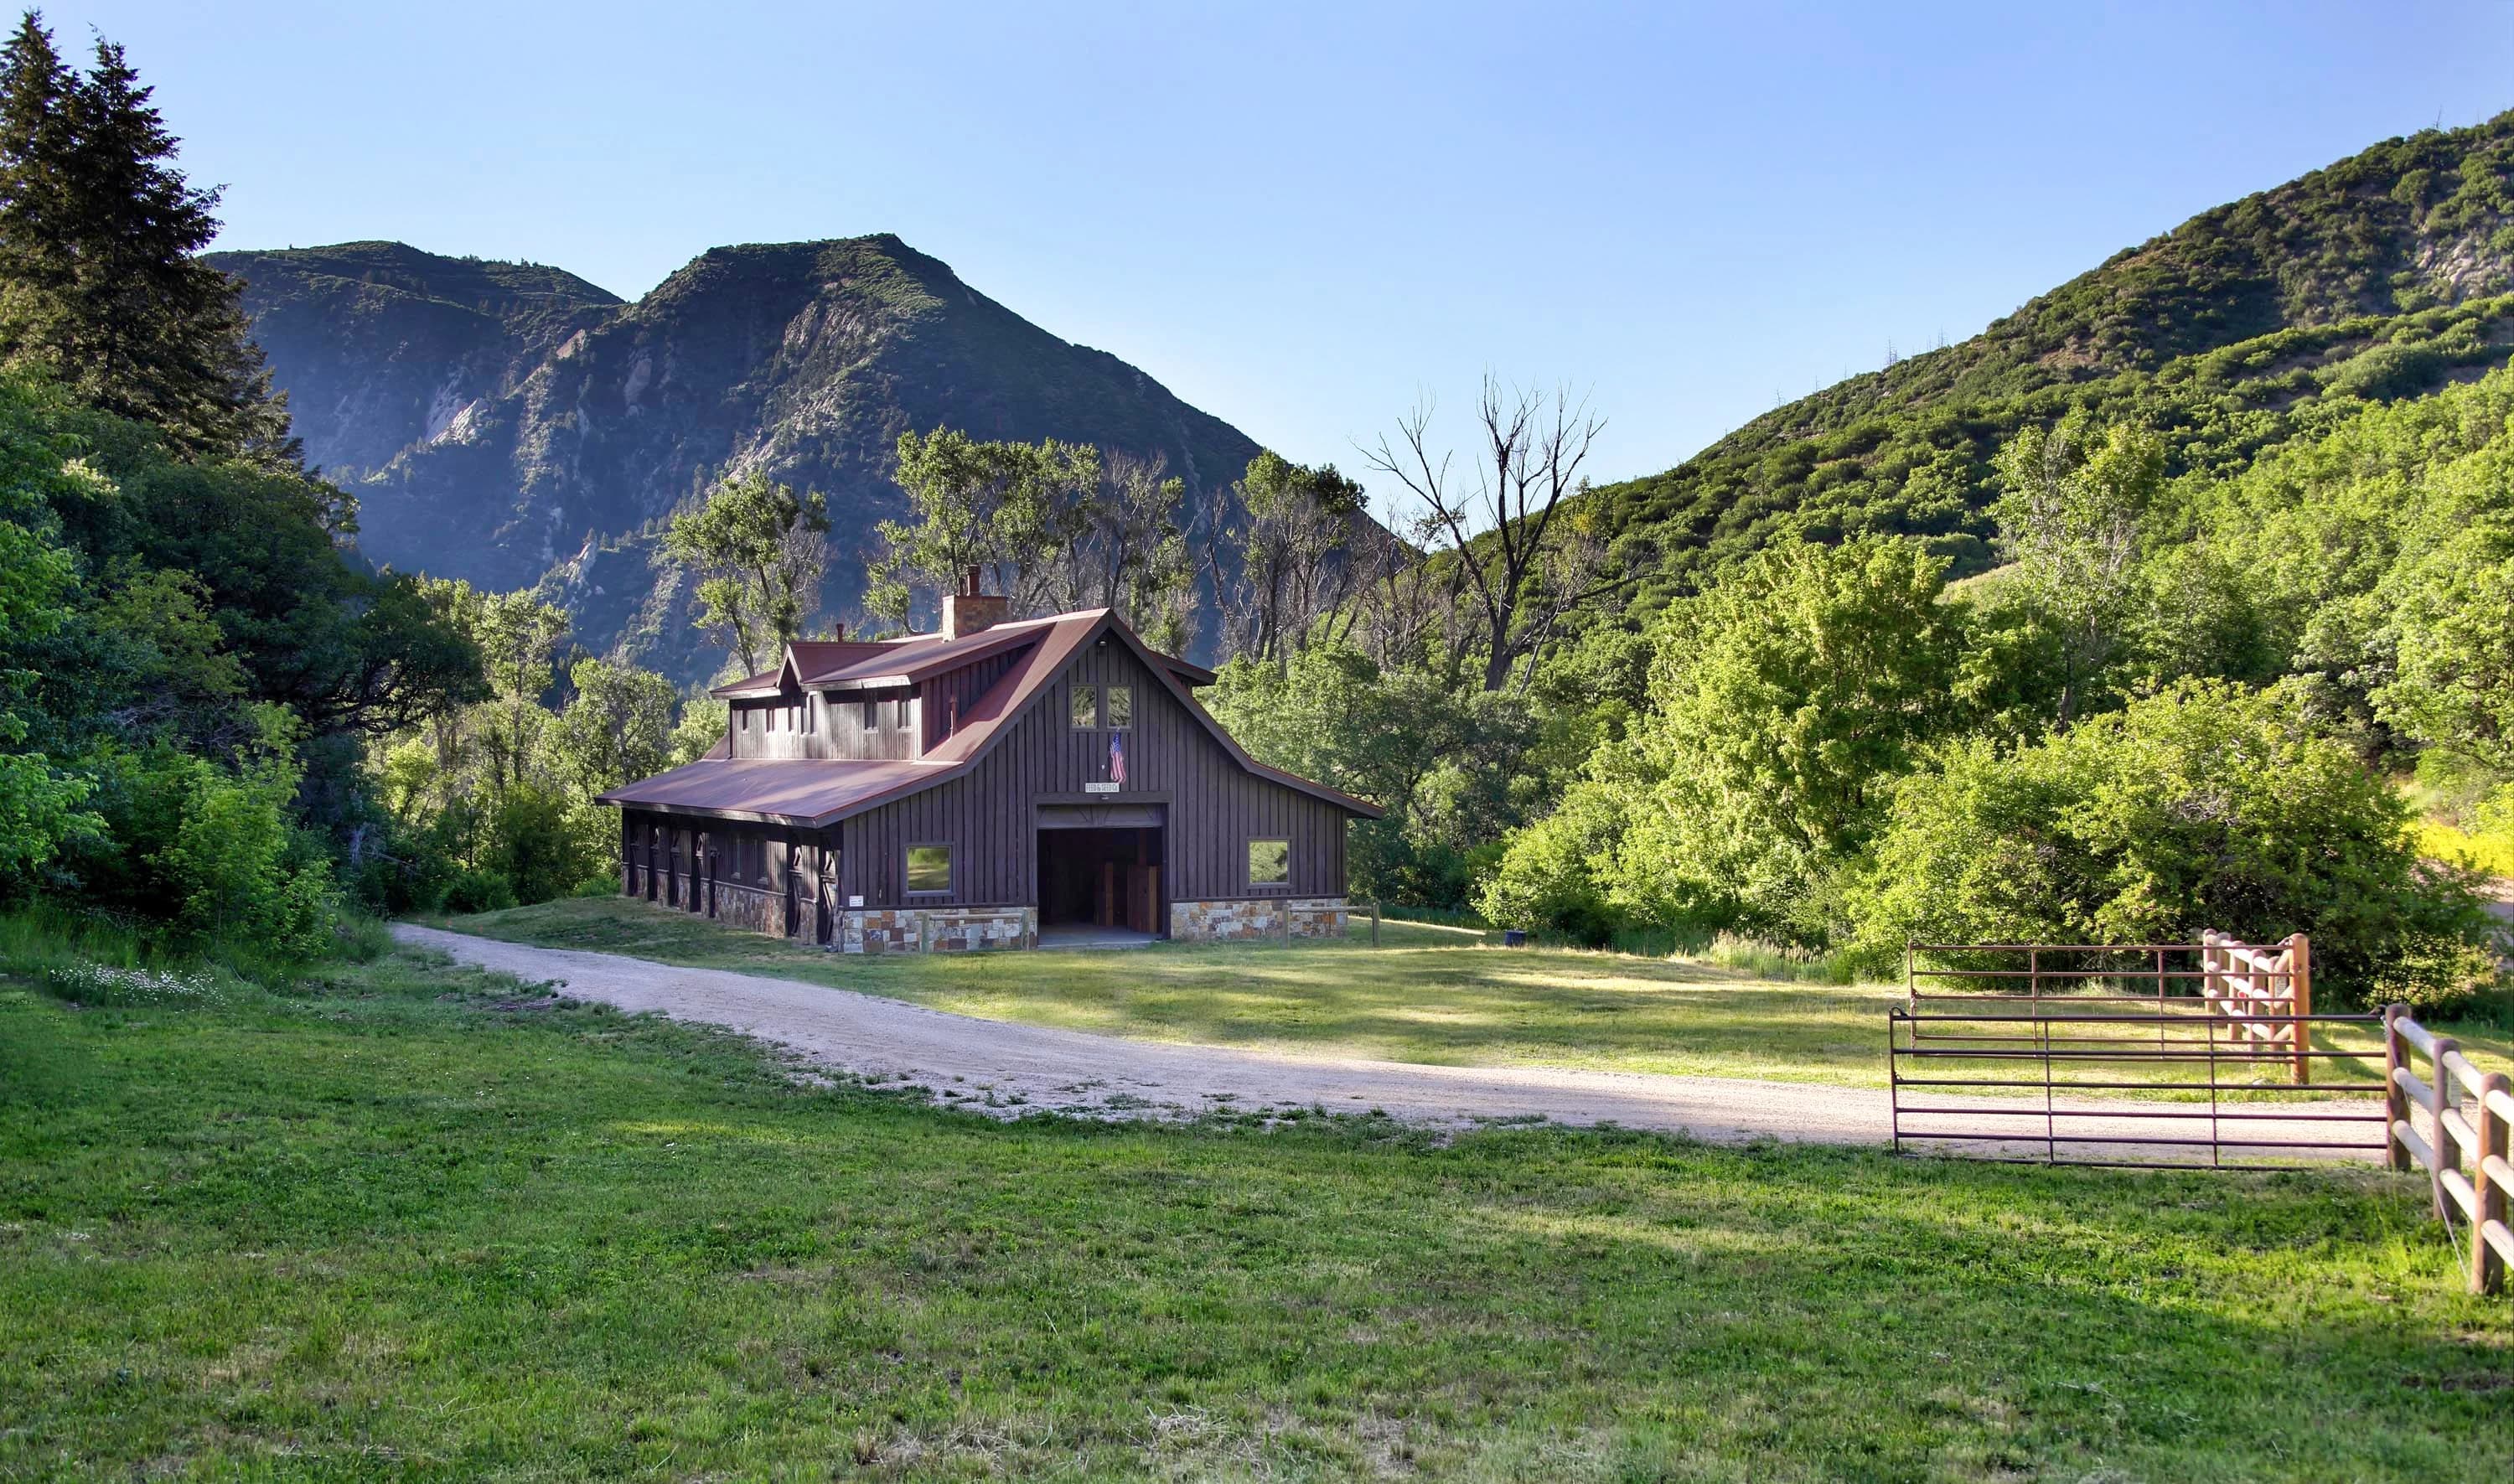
2204, 1054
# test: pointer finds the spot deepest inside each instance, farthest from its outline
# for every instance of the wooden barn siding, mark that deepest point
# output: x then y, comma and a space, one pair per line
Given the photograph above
1214, 806
841, 735
962, 686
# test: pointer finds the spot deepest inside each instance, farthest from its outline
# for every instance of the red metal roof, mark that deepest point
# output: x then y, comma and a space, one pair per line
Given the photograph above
779, 790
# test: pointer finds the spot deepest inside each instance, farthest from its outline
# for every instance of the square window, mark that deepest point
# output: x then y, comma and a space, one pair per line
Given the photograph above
1086, 706
1122, 707
1270, 863
929, 867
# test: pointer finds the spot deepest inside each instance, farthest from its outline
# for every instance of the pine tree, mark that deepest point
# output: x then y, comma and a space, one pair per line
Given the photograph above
99, 277
38, 267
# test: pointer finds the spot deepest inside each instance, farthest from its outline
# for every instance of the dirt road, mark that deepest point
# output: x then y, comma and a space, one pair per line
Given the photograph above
1004, 1069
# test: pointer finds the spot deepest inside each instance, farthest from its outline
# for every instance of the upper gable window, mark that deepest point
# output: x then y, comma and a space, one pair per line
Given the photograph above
1086, 706
1122, 707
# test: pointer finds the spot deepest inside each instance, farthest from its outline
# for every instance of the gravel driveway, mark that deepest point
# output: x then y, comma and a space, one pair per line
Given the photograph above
1007, 1069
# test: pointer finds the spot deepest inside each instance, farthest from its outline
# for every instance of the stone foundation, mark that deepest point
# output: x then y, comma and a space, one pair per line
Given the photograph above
1253, 918
936, 930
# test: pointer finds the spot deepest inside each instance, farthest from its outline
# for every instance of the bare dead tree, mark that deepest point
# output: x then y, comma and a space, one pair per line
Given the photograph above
1277, 557
1501, 522
1400, 600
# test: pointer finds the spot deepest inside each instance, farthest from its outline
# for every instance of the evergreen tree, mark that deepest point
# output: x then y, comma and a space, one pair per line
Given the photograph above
99, 281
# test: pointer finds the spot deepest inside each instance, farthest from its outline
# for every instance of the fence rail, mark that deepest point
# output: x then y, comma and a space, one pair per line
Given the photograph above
2262, 993
2464, 1147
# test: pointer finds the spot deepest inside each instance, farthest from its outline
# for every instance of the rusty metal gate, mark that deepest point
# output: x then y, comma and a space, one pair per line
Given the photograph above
2204, 1054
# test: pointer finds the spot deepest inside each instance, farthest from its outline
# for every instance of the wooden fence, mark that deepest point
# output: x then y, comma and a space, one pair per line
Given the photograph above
2266, 995
2463, 1148
2261, 994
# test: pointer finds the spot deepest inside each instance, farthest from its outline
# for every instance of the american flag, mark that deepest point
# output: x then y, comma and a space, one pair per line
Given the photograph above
1117, 758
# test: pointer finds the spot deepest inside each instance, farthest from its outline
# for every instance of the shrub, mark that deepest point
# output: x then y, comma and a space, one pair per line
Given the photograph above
2206, 806
474, 888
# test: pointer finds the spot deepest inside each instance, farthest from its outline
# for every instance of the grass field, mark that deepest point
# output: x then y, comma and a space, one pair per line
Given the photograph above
1428, 994
408, 1222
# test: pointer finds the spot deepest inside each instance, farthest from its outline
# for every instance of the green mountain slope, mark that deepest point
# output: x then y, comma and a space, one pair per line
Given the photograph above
2388, 274
516, 425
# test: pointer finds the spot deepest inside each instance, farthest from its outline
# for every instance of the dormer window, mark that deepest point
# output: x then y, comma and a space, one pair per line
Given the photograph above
1086, 708
901, 718
1121, 707
872, 715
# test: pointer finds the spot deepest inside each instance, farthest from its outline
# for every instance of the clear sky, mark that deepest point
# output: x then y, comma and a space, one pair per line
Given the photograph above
1302, 217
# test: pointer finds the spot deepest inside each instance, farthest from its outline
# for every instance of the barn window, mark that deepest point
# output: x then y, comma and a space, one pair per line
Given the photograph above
929, 867
759, 862
1122, 707
902, 717
1086, 706
872, 715
1270, 863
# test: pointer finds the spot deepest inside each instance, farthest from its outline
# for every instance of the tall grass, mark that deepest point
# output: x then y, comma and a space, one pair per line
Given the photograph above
96, 957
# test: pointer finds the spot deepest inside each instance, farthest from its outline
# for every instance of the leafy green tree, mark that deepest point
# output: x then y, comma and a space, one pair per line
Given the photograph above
2453, 631
703, 719
2204, 806
758, 550
1002, 508
99, 278
1786, 700
1561, 872
2070, 521
1445, 763
616, 728
235, 863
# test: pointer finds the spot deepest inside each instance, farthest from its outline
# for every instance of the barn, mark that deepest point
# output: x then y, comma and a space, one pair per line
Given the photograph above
995, 784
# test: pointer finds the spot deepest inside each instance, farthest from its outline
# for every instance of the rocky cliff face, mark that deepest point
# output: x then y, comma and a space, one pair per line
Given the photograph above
514, 425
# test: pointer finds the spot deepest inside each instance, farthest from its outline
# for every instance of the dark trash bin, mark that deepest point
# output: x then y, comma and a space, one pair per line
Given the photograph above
1513, 937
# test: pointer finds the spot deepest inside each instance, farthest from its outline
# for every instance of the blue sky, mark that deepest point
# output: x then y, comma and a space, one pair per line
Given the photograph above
1303, 218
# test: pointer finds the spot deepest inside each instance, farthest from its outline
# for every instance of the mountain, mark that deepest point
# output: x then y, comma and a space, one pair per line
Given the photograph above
516, 425
2385, 275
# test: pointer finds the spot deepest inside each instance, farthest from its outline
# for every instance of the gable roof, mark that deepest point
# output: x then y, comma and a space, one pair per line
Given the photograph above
819, 793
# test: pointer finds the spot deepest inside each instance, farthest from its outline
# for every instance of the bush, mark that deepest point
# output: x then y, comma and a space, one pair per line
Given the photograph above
474, 889
2206, 806
1549, 878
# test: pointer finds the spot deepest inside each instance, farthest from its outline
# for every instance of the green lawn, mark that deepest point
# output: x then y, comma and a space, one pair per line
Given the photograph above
1429, 994
410, 1221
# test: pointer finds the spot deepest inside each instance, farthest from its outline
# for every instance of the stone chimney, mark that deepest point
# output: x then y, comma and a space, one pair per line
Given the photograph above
969, 611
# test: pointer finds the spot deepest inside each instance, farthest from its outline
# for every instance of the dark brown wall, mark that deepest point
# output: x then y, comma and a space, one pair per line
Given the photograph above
959, 688
1213, 805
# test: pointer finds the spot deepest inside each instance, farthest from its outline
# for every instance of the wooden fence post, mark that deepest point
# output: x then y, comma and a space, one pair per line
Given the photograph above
2487, 1263
2396, 1098
2300, 981
1374, 922
2447, 1149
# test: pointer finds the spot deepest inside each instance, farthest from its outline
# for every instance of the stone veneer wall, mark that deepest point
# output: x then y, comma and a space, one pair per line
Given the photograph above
937, 929
751, 907
1257, 917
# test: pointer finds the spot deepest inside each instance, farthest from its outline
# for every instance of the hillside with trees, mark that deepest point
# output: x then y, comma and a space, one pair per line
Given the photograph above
2381, 276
